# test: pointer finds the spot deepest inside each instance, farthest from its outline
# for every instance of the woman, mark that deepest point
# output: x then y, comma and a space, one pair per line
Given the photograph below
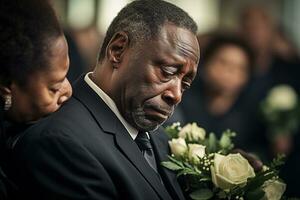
218, 100
33, 66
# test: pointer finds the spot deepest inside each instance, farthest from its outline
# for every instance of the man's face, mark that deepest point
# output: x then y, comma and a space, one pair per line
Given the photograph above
153, 76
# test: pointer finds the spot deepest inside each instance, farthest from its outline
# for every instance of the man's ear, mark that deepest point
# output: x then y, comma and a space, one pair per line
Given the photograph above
116, 48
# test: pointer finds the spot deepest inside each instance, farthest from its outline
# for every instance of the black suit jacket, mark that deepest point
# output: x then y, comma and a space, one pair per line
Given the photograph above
84, 152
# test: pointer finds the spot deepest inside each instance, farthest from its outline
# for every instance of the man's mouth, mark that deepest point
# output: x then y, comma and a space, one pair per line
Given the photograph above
158, 114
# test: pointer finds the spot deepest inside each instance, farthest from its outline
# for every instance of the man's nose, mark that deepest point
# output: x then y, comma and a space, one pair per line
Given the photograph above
66, 92
172, 95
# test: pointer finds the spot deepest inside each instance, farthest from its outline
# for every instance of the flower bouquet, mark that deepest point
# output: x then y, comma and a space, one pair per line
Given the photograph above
208, 170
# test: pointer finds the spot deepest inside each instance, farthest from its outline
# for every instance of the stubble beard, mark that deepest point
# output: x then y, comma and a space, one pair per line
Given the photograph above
141, 122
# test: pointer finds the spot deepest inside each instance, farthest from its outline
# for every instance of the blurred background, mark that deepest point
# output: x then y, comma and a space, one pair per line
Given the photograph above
86, 21
248, 76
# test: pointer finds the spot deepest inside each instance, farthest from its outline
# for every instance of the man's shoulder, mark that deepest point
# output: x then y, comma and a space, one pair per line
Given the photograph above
64, 121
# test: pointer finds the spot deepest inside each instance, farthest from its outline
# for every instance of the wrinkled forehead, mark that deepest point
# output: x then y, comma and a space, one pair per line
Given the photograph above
183, 41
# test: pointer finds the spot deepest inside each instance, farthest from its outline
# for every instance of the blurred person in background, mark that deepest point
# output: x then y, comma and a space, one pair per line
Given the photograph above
83, 48
78, 64
257, 28
284, 47
275, 59
275, 62
217, 101
87, 40
34, 62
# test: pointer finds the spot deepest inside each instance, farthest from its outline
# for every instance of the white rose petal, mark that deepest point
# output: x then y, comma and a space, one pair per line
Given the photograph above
178, 146
231, 170
196, 151
192, 132
282, 97
273, 189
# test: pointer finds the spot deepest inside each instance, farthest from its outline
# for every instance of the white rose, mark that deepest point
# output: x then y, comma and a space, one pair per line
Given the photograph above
282, 97
231, 170
192, 132
196, 151
178, 146
273, 189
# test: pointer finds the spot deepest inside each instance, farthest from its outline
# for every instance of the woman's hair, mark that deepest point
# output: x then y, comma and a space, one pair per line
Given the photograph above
27, 28
219, 41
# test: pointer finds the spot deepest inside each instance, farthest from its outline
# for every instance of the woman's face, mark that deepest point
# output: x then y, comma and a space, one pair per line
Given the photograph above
228, 70
45, 89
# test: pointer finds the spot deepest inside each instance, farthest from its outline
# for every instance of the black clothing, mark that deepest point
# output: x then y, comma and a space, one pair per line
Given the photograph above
84, 152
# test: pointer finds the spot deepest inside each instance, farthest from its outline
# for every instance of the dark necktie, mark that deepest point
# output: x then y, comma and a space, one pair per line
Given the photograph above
143, 142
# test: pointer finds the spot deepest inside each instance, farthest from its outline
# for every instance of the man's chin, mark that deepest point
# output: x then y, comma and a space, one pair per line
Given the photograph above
148, 125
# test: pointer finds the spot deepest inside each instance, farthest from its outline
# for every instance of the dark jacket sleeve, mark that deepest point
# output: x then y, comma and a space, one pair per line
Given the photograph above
55, 166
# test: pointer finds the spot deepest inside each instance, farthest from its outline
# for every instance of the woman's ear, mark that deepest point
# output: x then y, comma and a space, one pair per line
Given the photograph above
4, 90
116, 48
6, 95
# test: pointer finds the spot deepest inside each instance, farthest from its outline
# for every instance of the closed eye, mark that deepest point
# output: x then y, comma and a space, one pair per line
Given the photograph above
54, 90
169, 70
56, 87
186, 85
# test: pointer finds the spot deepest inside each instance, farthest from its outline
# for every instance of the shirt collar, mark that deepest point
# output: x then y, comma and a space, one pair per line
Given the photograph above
111, 104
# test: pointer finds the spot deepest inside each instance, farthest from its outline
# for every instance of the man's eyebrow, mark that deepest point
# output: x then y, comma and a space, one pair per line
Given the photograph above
167, 62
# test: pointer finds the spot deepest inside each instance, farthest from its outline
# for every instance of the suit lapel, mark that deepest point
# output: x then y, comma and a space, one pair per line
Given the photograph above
161, 150
131, 150
111, 124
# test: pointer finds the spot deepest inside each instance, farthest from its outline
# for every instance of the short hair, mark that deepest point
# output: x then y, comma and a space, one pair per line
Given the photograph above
26, 30
143, 19
220, 41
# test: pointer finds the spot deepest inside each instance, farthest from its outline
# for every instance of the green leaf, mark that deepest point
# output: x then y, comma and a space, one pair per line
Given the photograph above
172, 131
278, 161
205, 179
212, 143
225, 141
201, 194
187, 171
174, 160
259, 180
170, 165
187, 165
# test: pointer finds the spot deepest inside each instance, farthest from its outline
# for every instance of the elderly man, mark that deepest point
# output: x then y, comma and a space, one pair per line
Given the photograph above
105, 143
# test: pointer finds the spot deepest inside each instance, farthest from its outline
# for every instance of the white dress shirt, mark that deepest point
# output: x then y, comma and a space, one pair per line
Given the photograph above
111, 104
